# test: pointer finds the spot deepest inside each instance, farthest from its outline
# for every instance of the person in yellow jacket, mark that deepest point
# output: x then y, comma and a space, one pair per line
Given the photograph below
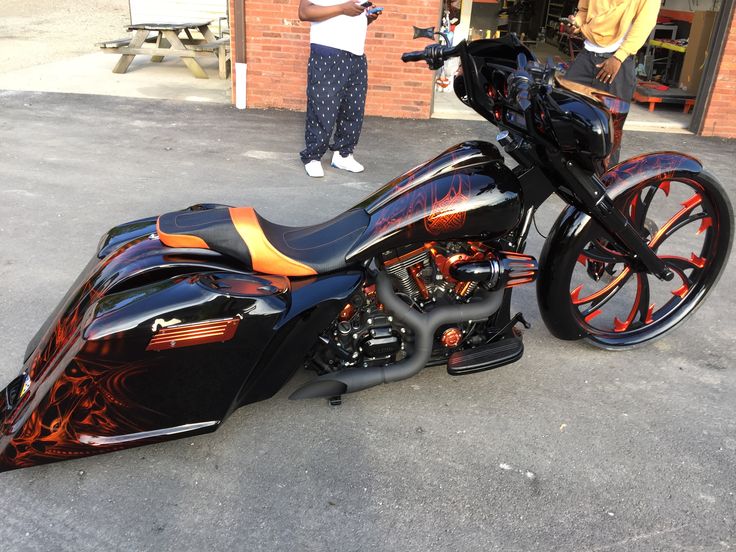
614, 31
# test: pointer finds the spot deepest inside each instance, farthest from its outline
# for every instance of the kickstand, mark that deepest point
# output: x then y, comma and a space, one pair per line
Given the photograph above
518, 317
335, 401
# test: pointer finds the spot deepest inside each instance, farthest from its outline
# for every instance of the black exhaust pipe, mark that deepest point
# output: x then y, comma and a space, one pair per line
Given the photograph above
424, 326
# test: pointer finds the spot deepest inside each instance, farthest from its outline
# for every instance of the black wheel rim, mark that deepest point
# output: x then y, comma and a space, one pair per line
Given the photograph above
614, 299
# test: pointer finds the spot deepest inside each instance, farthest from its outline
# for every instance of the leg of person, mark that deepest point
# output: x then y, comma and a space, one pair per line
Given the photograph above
583, 70
323, 85
622, 87
350, 116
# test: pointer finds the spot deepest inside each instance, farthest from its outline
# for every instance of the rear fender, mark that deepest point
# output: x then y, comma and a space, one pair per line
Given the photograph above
114, 243
556, 258
139, 352
154, 343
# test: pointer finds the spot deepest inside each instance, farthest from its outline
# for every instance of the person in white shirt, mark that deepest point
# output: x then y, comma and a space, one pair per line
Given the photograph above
337, 82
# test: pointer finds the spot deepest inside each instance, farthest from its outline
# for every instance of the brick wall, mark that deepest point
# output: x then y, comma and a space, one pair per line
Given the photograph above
720, 116
277, 51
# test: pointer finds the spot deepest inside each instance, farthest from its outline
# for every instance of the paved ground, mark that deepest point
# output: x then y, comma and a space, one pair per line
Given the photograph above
571, 448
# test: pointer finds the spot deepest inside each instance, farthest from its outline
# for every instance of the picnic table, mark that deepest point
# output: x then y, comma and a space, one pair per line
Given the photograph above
169, 42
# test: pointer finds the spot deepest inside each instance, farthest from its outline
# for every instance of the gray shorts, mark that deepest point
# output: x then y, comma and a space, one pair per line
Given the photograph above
583, 70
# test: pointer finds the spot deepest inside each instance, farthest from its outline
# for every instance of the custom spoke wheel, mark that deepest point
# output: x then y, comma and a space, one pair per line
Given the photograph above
613, 301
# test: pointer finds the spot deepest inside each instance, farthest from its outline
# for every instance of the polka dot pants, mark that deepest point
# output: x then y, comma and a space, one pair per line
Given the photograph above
336, 89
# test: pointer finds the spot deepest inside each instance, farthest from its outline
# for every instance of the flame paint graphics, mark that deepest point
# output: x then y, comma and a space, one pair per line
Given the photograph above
401, 212
89, 398
445, 215
660, 165
416, 177
63, 395
60, 337
61, 334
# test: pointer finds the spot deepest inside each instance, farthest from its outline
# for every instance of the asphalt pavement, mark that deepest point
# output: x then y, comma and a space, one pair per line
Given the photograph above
571, 448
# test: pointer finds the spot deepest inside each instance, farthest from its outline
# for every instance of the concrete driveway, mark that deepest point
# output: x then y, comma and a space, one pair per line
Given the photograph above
571, 448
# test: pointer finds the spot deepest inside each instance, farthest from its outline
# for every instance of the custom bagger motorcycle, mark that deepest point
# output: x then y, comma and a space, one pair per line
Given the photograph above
180, 319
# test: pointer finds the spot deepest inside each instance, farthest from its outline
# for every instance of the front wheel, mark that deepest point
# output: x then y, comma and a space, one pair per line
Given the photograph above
606, 296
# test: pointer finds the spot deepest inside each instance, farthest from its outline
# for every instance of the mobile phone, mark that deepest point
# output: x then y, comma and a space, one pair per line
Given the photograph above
374, 10
366, 4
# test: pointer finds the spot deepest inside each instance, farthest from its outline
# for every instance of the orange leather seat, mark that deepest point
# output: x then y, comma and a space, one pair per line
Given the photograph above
262, 245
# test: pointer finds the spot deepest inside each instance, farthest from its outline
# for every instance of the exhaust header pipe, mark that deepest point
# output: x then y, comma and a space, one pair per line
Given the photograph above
424, 326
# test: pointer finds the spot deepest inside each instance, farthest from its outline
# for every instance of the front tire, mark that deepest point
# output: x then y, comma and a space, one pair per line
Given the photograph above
598, 292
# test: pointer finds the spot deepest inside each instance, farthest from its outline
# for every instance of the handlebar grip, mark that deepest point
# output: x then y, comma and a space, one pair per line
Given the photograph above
412, 56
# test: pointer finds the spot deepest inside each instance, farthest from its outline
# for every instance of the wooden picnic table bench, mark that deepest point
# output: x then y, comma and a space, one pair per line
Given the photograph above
169, 43
118, 42
222, 48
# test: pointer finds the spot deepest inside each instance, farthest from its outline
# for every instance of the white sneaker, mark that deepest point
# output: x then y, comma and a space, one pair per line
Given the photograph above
346, 163
314, 169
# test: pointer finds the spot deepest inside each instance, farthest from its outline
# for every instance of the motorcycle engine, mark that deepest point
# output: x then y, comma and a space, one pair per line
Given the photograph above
364, 335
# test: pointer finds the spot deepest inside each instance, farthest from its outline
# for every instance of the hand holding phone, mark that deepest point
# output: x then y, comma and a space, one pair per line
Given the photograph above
352, 8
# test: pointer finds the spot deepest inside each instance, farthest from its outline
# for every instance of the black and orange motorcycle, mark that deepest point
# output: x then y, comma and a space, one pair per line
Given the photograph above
180, 319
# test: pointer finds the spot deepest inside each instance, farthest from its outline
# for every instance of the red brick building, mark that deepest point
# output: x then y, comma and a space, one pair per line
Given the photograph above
277, 52
275, 47
720, 112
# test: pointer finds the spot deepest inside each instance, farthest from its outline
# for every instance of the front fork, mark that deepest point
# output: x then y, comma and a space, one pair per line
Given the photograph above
591, 191
587, 191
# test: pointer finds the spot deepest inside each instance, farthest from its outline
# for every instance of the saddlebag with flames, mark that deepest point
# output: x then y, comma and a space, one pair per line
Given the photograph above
153, 343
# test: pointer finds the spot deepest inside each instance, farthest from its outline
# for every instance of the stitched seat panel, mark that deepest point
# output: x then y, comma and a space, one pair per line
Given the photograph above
264, 246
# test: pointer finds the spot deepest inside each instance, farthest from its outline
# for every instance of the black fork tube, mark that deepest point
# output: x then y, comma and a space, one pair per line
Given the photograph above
592, 192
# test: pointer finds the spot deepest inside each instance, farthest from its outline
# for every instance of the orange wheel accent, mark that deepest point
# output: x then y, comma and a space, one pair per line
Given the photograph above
592, 315
681, 291
650, 312
576, 300
180, 240
707, 223
265, 257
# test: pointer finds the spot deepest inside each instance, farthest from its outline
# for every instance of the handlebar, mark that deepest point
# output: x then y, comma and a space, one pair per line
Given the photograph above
434, 54
412, 56
527, 84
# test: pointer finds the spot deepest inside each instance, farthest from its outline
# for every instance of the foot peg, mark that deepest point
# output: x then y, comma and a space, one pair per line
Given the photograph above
485, 357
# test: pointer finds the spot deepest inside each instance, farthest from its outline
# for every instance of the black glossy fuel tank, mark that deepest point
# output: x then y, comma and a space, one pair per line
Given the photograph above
465, 193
